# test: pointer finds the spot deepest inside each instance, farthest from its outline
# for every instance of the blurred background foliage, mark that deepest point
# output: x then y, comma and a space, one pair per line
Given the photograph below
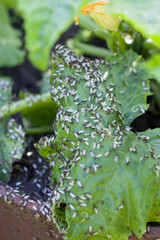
45, 21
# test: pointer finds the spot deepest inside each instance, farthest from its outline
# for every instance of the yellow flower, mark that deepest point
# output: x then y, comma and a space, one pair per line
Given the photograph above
97, 12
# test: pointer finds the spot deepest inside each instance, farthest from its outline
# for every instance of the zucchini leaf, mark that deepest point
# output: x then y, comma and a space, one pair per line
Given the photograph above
128, 82
105, 176
45, 21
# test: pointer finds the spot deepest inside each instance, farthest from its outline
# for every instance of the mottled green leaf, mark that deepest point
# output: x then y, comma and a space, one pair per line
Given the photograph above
5, 90
108, 196
10, 44
106, 176
11, 147
11, 135
143, 15
128, 82
154, 142
154, 215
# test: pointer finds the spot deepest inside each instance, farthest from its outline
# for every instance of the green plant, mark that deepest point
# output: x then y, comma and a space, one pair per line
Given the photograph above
11, 135
139, 32
106, 176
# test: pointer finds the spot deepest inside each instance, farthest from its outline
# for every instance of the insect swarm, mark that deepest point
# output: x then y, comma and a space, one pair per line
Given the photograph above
95, 162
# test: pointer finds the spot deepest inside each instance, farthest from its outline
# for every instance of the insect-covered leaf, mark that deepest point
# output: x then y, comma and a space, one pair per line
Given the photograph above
110, 193
128, 82
11, 134
105, 175
154, 142
5, 90
11, 147
10, 44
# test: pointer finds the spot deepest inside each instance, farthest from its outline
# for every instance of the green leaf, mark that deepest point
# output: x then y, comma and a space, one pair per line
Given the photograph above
9, 3
109, 196
11, 147
11, 135
5, 90
153, 66
105, 175
10, 44
154, 215
128, 80
142, 15
41, 111
44, 22
89, 24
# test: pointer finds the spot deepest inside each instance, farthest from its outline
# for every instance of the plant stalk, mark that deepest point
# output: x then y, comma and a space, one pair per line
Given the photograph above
89, 49
39, 130
19, 106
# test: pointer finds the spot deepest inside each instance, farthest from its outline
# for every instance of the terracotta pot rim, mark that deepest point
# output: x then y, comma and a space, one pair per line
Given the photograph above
43, 209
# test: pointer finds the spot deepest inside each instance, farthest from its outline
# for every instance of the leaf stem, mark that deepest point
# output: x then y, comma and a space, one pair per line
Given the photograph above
19, 106
89, 49
121, 41
39, 130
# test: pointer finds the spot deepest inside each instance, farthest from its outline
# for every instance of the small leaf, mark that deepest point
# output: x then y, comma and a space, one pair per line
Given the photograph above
11, 134
5, 90
11, 147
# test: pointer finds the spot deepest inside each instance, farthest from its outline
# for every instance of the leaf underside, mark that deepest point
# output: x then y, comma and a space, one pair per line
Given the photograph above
106, 176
